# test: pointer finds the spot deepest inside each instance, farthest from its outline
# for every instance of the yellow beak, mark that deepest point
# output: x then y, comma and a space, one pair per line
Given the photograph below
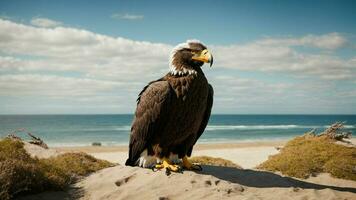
204, 56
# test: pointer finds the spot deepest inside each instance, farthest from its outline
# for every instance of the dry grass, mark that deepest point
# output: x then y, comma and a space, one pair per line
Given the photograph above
207, 160
79, 164
309, 155
22, 174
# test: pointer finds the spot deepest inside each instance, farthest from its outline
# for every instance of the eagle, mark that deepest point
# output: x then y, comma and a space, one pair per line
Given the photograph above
172, 112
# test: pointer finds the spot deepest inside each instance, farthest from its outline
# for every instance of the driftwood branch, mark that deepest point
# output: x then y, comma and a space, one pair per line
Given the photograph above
34, 140
335, 132
311, 132
37, 141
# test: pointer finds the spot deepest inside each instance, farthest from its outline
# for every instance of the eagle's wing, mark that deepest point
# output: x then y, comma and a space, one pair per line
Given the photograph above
206, 117
152, 104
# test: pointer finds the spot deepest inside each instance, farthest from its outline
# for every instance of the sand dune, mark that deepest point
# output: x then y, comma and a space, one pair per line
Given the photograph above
213, 182
247, 155
122, 182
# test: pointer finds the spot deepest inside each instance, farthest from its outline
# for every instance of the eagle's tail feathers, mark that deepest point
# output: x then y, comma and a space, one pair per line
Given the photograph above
130, 162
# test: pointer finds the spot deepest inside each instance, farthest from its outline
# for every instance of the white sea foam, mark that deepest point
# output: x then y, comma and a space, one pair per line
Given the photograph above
345, 126
232, 127
264, 127
123, 128
238, 127
241, 140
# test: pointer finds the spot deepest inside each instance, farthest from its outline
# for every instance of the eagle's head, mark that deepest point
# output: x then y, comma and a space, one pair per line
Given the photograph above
188, 57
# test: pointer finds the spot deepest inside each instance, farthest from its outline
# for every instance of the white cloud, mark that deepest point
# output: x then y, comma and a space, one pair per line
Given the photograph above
37, 64
329, 41
44, 22
234, 94
127, 16
273, 57
69, 49
53, 85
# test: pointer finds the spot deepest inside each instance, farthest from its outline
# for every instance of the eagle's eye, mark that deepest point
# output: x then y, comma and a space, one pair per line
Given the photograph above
193, 51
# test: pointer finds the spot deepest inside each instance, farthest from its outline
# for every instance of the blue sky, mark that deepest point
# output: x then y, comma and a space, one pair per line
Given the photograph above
214, 22
279, 57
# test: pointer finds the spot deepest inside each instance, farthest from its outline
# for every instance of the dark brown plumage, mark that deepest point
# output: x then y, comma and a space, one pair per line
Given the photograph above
173, 111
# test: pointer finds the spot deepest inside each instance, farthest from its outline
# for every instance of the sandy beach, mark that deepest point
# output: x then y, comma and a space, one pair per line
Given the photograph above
246, 154
121, 182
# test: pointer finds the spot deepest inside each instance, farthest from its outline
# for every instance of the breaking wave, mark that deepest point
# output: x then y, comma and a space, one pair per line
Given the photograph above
264, 127
234, 127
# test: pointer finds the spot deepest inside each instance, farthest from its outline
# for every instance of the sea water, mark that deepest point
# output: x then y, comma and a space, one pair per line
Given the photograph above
83, 130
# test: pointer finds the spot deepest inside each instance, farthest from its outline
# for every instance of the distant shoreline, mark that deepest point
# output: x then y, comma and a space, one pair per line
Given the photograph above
93, 114
246, 154
200, 146
112, 131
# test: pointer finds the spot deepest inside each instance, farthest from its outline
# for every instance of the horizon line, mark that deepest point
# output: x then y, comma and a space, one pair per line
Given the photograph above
211, 114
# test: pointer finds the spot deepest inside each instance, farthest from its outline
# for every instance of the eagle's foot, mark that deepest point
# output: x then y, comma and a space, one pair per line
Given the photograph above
166, 164
190, 166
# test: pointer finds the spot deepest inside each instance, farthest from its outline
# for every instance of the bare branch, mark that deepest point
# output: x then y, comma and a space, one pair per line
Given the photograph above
335, 132
35, 140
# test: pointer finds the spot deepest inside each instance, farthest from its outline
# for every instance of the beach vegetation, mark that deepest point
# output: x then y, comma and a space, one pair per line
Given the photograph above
207, 160
22, 174
310, 154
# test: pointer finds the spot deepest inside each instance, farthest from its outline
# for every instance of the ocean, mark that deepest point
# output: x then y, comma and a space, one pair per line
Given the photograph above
83, 130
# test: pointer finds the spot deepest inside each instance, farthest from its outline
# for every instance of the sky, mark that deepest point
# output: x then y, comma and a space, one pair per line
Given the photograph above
94, 57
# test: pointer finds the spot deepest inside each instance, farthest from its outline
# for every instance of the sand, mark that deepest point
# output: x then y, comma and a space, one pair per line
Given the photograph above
247, 155
121, 182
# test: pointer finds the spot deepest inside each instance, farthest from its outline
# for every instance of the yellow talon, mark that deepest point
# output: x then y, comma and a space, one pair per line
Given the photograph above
166, 164
190, 166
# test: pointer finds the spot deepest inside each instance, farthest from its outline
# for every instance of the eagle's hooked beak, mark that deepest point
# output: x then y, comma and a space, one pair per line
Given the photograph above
204, 56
